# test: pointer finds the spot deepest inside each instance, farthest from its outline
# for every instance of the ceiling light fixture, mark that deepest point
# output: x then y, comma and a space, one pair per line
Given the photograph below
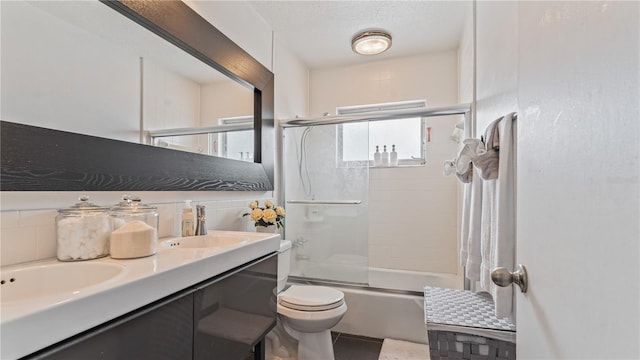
371, 42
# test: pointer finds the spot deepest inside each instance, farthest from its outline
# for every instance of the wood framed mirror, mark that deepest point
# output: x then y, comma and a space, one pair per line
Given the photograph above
37, 158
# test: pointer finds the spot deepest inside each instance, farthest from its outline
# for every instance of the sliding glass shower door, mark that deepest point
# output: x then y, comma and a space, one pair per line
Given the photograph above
326, 176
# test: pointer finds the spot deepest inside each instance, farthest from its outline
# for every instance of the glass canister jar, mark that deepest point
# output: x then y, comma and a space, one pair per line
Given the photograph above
135, 229
82, 231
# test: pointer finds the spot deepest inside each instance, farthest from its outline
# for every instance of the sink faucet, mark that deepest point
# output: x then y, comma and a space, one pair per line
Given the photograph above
201, 226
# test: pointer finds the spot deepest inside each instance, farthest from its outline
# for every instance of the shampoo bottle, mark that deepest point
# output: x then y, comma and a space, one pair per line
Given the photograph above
385, 156
376, 156
187, 219
393, 157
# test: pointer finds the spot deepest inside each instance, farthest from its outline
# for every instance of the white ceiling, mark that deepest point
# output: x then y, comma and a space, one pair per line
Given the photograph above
320, 32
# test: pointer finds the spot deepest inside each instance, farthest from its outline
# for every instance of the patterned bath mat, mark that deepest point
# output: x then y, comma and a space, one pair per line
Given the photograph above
403, 350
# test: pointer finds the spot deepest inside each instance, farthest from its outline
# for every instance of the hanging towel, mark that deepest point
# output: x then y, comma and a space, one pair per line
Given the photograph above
464, 225
486, 159
461, 166
470, 235
474, 248
498, 216
488, 231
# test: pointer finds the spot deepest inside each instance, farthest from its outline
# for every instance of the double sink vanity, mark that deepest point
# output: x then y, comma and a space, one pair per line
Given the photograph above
199, 297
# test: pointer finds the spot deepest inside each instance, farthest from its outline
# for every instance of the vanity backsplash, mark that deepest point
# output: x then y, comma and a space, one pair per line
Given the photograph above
30, 235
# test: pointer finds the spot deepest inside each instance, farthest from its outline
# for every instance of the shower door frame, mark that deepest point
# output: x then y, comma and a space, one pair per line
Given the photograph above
465, 109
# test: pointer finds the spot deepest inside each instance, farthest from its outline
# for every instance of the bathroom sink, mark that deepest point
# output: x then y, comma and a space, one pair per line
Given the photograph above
205, 241
41, 281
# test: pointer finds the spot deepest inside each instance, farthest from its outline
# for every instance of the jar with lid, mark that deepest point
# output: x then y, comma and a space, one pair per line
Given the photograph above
82, 231
135, 229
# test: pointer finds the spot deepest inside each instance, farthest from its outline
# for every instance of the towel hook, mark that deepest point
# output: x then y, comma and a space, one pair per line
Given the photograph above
503, 277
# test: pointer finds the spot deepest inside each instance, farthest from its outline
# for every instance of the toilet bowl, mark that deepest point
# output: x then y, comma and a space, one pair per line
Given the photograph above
307, 312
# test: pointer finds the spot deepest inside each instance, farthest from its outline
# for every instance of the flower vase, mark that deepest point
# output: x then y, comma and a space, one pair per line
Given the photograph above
266, 229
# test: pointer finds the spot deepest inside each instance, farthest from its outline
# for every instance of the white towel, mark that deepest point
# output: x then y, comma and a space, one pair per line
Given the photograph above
474, 247
486, 160
498, 220
464, 224
488, 231
462, 166
465, 221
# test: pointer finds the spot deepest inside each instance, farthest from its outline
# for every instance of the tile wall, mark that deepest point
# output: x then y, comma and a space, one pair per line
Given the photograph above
30, 235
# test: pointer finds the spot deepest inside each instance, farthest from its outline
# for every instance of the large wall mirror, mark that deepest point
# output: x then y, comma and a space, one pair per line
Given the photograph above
95, 101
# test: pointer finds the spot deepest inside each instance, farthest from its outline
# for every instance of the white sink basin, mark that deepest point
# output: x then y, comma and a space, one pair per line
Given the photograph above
39, 281
204, 241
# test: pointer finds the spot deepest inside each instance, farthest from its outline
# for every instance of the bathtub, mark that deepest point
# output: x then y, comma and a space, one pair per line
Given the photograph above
411, 280
392, 306
383, 315
353, 269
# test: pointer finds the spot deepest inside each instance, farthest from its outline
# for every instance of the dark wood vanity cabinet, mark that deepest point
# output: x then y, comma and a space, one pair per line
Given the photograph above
225, 317
232, 315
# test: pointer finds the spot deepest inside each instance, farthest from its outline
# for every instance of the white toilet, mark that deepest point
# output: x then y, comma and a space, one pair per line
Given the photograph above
308, 312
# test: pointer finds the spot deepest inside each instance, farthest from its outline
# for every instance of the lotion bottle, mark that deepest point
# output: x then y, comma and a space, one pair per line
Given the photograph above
385, 156
187, 219
393, 157
376, 157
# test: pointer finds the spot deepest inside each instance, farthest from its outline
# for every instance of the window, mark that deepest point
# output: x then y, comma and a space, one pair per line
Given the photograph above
357, 141
235, 144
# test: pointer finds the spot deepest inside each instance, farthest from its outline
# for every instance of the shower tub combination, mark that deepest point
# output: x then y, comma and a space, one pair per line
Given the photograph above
327, 202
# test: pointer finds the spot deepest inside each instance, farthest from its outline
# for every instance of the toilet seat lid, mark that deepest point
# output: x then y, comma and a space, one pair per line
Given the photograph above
311, 298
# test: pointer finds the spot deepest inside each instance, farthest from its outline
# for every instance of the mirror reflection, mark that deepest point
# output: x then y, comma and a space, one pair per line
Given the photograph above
84, 68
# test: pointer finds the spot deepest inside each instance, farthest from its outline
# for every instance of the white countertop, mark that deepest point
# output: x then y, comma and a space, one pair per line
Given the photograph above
28, 326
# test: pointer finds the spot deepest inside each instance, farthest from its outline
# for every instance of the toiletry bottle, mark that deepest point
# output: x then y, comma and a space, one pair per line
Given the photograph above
393, 157
376, 156
187, 219
385, 156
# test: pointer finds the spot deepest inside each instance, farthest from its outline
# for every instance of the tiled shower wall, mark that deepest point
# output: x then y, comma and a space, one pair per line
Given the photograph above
30, 235
412, 210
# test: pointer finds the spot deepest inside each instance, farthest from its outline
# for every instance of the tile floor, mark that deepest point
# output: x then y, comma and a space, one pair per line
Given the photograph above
353, 347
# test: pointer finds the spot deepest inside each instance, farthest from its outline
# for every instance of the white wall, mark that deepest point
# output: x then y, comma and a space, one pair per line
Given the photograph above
242, 24
291, 97
466, 61
170, 101
27, 226
432, 77
412, 210
496, 61
232, 100
97, 88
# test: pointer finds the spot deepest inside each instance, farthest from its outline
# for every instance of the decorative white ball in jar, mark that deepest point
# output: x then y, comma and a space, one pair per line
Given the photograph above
82, 231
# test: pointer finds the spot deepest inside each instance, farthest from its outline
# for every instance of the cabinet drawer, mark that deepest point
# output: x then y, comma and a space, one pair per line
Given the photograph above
161, 331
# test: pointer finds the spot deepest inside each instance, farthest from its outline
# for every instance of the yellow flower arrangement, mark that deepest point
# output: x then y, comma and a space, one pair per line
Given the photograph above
266, 215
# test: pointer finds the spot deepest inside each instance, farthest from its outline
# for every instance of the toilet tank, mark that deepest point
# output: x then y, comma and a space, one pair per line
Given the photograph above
284, 262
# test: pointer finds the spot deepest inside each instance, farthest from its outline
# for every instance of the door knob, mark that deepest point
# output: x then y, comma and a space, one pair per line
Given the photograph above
503, 277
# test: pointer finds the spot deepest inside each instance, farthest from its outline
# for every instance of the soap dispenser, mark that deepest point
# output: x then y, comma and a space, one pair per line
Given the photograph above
187, 219
376, 157
385, 156
393, 157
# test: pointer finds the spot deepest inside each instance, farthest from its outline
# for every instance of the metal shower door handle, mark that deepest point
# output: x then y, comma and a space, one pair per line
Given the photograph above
503, 277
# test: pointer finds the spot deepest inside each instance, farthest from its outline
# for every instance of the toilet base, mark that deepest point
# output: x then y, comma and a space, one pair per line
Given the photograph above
279, 345
285, 343
315, 346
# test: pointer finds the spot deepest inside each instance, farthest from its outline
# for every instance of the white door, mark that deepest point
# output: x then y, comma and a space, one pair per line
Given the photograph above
578, 188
